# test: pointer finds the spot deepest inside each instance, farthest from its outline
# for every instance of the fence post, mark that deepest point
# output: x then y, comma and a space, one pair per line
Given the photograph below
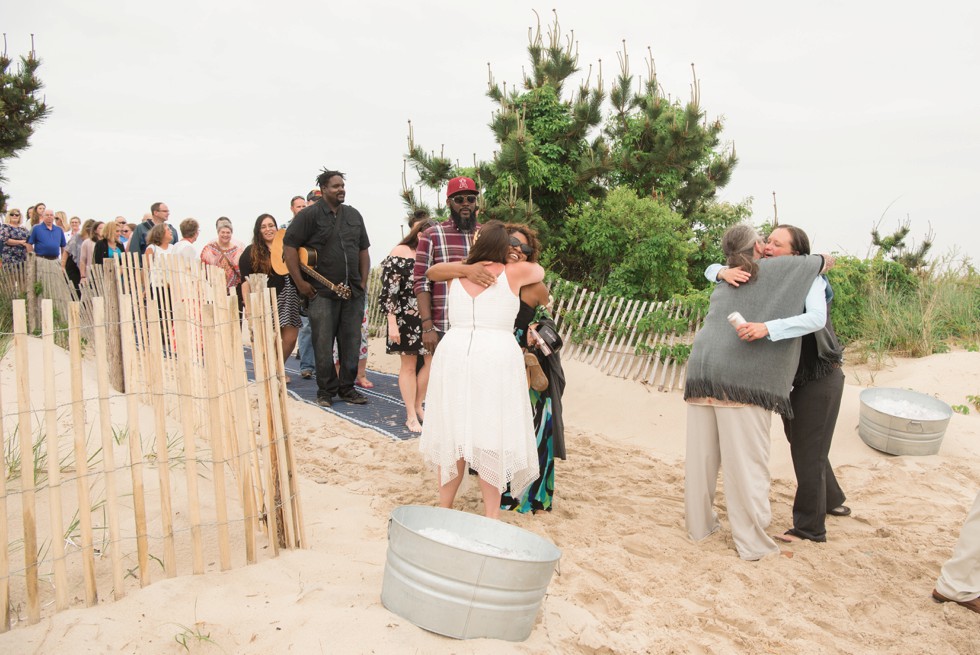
112, 321
31, 298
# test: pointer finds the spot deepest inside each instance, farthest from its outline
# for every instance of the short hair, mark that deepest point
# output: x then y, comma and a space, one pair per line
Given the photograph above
189, 227
325, 175
155, 207
295, 198
223, 221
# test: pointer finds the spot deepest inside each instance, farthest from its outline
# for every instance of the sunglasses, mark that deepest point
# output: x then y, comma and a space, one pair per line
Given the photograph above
516, 243
14, 214
459, 200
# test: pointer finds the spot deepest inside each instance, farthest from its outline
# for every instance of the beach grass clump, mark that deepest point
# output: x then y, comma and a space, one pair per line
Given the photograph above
882, 309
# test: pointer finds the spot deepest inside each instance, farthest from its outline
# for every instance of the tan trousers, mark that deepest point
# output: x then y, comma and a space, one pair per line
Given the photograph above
960, 578
737, 440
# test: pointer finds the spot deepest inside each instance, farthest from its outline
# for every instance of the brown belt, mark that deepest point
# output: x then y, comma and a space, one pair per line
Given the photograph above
48, 256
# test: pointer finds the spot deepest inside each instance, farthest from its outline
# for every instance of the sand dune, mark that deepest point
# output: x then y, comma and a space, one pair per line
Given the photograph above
630, 581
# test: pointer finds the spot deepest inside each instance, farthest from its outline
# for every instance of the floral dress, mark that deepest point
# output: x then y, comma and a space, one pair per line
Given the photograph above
11, 255
396, 297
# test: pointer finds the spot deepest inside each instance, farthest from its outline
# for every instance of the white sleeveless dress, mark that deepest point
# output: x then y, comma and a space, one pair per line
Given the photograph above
476, 406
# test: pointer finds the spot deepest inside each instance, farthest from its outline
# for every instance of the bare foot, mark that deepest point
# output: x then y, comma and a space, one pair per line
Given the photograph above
420, 413
786, 538
788, 554
413, 425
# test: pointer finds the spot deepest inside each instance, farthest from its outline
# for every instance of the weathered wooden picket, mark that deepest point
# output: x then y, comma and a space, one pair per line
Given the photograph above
111, 458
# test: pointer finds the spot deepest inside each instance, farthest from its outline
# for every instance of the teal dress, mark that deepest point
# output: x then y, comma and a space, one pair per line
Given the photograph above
538, 496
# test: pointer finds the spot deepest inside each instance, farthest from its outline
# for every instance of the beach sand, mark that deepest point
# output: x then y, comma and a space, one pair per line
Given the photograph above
629, 581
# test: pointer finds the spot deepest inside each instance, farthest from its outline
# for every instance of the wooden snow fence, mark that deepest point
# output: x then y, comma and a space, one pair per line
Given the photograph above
626, 338
639, 340
189, 469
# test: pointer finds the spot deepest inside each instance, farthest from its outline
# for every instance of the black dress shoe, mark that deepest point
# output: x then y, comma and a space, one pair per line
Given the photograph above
353, 397
842, 510
323, 401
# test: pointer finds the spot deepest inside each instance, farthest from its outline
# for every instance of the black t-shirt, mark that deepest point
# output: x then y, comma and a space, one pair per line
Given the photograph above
338, 240
276, 281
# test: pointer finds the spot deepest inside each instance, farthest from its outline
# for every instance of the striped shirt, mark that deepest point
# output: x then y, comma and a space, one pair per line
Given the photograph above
438, 244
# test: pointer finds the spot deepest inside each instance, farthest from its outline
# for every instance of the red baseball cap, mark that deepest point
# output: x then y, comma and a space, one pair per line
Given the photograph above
460, 184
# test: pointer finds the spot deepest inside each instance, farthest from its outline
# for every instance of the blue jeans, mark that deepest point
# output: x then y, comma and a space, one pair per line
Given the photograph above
341, 320
306, 361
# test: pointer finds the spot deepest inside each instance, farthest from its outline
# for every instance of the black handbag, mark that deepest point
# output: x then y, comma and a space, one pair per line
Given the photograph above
550, 337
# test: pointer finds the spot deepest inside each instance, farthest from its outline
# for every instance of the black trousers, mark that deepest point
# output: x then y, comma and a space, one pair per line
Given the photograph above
815, 408
334, 319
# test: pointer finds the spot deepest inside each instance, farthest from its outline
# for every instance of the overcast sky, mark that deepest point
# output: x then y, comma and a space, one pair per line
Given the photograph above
849, 111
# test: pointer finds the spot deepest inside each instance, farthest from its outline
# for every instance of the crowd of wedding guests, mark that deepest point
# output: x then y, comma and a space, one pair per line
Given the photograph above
465, 307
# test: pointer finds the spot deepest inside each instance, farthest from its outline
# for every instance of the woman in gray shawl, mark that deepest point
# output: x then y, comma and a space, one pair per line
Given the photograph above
736, 377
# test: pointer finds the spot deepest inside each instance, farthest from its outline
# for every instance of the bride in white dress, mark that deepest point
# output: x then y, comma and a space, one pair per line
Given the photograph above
477, 413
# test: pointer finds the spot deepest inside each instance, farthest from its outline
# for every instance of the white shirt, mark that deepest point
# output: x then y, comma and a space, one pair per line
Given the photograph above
185, 249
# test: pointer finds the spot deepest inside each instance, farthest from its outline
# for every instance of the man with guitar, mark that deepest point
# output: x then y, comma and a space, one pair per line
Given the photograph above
326, 251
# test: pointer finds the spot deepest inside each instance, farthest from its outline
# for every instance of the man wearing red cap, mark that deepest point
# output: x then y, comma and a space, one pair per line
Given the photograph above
448, 241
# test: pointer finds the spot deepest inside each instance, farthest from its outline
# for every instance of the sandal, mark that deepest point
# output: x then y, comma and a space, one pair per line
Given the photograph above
536, 379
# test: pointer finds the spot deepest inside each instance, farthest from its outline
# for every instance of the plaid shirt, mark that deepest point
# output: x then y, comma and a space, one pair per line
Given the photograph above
438, 244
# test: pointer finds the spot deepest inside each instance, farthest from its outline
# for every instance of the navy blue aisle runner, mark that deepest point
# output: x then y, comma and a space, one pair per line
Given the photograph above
384, 412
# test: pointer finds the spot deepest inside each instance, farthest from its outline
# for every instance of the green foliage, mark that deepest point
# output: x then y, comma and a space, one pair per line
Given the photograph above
975, 401
558, 156
664, 148
893, 246
882, 308
21, 108
854, 281
626, 245
960, 409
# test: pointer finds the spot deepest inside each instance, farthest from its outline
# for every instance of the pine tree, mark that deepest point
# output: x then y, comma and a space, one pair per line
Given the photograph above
20, 107
557, 152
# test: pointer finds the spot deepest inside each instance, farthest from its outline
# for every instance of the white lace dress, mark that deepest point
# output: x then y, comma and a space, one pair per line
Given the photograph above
477, 405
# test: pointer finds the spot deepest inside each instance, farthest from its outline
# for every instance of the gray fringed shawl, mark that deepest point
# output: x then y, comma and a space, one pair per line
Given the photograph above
760, 372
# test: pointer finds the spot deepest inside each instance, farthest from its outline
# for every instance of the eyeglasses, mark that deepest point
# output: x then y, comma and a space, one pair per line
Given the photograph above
15, 213
516, 243
459, 200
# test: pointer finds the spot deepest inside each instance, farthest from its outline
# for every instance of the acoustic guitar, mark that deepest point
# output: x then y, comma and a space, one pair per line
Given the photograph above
307, 262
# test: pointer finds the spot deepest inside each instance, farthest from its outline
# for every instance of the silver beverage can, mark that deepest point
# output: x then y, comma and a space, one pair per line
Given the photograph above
736, 319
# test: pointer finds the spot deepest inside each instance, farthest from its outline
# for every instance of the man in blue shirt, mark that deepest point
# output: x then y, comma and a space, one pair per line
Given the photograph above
46, 239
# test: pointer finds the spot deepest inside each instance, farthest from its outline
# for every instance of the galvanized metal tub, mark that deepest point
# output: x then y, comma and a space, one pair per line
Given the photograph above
921, 434
456, 591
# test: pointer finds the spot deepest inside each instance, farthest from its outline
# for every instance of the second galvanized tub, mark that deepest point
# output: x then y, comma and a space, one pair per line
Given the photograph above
463, 575
903, 422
